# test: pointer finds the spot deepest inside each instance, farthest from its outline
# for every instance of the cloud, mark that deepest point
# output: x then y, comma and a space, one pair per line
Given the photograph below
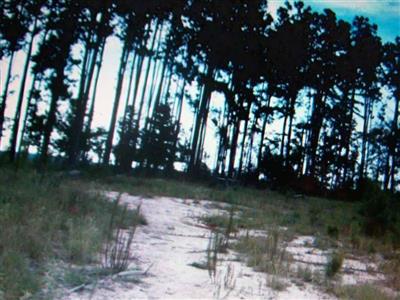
384, 13
370, 7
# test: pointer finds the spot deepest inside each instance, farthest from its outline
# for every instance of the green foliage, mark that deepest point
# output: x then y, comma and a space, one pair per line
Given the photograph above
291, 218
379, 211
42, 218
125, 150
304, 273
360, 292
158, 141
332, 231
117, 249
334, 264
265, 254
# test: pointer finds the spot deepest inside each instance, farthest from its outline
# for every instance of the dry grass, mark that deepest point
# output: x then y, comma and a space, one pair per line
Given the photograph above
45, 218
361, 292
265, 254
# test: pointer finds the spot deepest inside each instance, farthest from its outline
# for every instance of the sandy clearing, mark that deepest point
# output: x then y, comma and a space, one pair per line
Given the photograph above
173, 240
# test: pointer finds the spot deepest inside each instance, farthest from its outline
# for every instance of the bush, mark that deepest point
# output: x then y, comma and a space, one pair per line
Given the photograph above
378, 215
334, 264
360, 292
43, 218
332, 231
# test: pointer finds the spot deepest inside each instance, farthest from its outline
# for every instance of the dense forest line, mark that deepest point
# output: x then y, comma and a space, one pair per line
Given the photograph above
335, 86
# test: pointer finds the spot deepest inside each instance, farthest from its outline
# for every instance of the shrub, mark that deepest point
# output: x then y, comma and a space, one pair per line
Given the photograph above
334, 264
333, 231
265, 254
378, 211
117, 250
42, 218
305, 273
360, 292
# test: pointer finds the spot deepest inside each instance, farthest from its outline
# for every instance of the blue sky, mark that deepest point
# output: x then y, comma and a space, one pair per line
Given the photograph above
384, 13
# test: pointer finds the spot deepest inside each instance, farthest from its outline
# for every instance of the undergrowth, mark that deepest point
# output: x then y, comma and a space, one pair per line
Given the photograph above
44, 217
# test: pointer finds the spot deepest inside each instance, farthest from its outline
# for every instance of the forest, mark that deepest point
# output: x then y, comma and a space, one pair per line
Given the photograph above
208, 149
329, 89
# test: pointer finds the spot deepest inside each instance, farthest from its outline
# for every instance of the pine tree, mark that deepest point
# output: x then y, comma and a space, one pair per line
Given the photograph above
158, 142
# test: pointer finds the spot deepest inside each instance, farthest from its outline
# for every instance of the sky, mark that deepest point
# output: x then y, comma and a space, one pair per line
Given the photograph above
385, 13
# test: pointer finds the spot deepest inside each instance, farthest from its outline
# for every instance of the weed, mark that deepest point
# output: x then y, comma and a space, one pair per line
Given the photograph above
118, 251
360, 292
265, 254
332, 231
45, 217
216, 244
313, 214
324, 243
334, 264
216, 222
391, 268
304, 273
291, 218
276, 283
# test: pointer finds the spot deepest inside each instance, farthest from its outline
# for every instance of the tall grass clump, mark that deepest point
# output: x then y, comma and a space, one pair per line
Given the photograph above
379, 211
360, 292
43, 217
334, 264
117, 250
265, 254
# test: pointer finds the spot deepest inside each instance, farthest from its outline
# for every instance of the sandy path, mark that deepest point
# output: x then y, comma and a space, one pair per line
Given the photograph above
174, 239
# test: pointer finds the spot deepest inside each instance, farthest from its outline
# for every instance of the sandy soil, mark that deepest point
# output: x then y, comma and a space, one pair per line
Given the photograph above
175, 238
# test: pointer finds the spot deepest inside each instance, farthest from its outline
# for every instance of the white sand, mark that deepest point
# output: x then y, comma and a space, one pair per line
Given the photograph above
173, 239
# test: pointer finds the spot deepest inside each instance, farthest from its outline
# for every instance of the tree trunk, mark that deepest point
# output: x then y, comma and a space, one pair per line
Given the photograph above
83, 98
246, 123
264, 126
118, 90
5, 94
232, 155
395, 140
200, 119
139, 70
128, 94
291, 116
165, 92
14, 134
364, 138
316, 124
250, 150
348, 137
154, 76
22, 146
199, 155
179, 114
222, 140
51, 117
94, 92
161, 85
283, 134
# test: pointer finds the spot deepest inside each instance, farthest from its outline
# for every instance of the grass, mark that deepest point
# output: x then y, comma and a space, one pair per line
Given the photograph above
360, 292
265, 253
391, 267
261, 209
276, 283
80, 222
335, 224
304, 273
44, 218
334, 264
